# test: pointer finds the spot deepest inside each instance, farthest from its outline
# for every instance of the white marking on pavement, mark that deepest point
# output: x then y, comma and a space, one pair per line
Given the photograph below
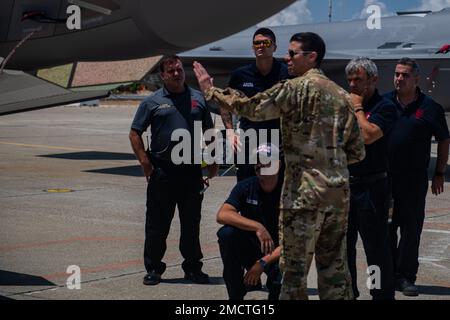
41, 146
436, 231
436, 249
430, 262
429, 259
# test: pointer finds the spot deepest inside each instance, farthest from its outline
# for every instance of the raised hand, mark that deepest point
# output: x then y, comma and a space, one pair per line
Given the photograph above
204, 79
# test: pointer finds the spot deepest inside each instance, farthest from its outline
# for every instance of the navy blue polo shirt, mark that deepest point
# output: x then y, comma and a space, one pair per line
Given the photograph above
409, 144
381, 112
165, 112
250, 81
253, 203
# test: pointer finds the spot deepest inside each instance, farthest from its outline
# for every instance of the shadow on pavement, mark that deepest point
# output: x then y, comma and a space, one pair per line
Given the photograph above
91, 155
8, 278
434, 290
213, 281
136, 171
133, 171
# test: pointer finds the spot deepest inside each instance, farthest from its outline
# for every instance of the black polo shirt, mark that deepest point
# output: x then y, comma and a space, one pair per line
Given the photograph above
409, 144
253, 203
381, 112
165, 112
250, 81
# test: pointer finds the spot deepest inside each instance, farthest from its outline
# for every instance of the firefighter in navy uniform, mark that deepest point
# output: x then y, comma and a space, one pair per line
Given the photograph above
249, 238
250, 79
409, 147
175, 106
369, 185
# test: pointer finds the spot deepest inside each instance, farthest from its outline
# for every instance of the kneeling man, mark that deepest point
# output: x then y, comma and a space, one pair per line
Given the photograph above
249, 238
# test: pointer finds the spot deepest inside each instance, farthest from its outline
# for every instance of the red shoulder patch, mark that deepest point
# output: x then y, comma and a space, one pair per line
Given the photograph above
419, 114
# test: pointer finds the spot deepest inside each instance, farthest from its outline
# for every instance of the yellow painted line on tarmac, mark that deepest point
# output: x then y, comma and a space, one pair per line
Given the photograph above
41, 146
58, 190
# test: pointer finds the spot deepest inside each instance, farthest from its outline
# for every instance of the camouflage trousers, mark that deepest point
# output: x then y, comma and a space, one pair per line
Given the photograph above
320, 232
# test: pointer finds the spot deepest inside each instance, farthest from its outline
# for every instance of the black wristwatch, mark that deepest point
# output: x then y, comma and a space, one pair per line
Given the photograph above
263, 264
439, 173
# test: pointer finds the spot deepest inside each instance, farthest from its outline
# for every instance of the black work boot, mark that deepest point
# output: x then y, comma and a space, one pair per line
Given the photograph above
152, 278
197, 277
408, 288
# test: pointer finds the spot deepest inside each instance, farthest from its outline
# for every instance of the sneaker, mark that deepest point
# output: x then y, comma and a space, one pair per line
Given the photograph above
152, 278
408, 288
197, 277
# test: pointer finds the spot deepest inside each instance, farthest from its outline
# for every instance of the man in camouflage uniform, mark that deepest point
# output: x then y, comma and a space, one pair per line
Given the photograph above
320, 137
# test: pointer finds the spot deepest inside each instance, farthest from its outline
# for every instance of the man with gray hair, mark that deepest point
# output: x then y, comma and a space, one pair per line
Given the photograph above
369, 185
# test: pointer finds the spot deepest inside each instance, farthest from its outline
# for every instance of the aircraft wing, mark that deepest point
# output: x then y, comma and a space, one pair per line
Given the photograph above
20, 92
112, 30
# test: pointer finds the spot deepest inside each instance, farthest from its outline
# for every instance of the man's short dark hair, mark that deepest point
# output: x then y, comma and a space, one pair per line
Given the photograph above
267, 33
311, 42
166, 59
405, 61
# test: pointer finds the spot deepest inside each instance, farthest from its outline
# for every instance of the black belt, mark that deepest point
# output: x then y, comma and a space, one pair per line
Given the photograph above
368, 179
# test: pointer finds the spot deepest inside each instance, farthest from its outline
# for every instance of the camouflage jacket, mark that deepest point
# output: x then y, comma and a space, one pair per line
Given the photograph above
319, 129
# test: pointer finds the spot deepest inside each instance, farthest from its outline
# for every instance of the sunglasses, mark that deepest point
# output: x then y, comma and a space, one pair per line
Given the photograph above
292, 53
262, 43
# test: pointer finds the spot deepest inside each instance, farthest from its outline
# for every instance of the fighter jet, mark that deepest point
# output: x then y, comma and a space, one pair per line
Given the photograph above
424, 37
36, 34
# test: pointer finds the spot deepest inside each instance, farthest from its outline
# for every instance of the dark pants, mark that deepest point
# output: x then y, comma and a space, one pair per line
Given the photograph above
369, 211
169, 187
240, 250
409, 190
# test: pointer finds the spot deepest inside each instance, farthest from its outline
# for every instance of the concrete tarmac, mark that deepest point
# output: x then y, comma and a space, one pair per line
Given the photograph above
97, 223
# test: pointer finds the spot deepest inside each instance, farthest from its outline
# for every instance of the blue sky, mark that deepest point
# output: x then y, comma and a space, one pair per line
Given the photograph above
306, 11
